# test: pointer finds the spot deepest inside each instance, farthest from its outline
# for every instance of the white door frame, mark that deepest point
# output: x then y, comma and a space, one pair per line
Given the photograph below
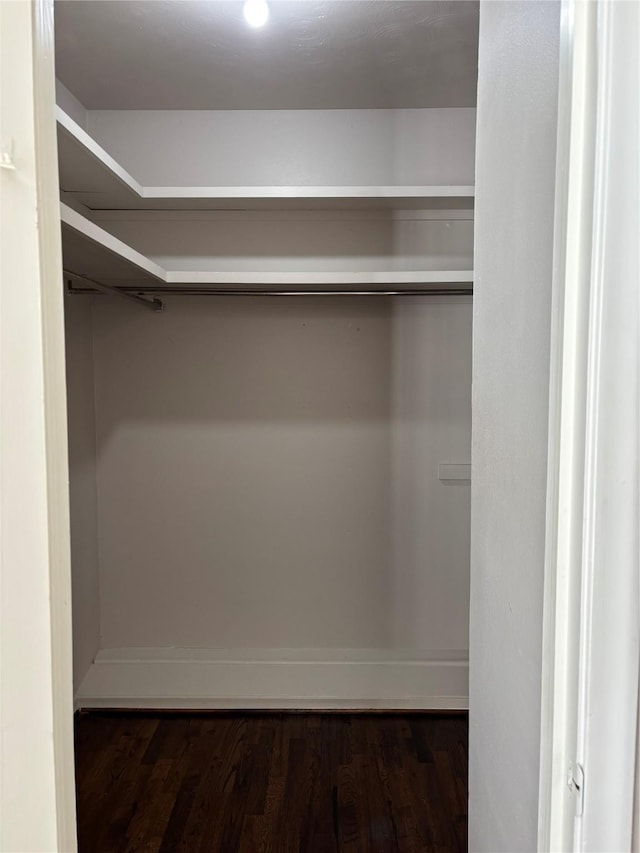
55, 409
36, 691
590, 650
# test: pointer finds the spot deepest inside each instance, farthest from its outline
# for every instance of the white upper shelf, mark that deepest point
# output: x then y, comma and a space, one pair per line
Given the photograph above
92, 252
91, 176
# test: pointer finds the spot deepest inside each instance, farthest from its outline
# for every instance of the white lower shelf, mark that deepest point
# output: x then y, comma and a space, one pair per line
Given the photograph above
92, 252
335, 679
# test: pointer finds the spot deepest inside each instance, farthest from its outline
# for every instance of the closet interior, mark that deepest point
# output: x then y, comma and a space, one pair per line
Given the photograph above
268, 254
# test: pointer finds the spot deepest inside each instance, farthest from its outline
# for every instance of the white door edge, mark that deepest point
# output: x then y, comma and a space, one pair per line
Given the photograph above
590, 646
55, 403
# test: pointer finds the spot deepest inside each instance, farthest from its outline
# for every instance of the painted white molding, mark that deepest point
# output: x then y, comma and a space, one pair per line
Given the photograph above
36, 753
591, 648
565, 467
311, 679
55, 414
610, 605
94, 178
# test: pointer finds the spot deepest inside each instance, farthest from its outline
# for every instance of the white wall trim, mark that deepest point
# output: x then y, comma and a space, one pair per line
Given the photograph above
565, 478
36, 699
591, 651
55, 414
328, 679
610, 605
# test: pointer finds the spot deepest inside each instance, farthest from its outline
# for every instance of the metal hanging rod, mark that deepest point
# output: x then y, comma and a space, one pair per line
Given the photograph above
152, 304
138, 293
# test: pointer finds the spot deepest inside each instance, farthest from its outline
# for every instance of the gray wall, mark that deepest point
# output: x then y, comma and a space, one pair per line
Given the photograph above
263, 465
306, 147
515, 171
82, 486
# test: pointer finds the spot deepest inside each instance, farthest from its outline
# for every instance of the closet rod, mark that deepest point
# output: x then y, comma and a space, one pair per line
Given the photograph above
136, 292
152, 304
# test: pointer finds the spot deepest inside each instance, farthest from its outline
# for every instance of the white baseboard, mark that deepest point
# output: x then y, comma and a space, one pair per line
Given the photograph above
287, 679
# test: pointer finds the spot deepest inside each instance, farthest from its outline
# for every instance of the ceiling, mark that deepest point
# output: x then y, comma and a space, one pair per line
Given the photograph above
200, 54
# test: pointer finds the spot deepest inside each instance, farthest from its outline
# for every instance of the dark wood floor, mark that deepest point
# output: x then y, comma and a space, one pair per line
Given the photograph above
230, 783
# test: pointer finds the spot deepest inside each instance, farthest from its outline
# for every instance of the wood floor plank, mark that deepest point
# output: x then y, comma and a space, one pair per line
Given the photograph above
262, 837
115, 786
271, 783
206, 807
144, 834
227, 784
352, 837
319, 830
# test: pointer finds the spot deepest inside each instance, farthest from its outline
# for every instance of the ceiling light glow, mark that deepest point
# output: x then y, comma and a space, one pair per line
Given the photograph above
256, 12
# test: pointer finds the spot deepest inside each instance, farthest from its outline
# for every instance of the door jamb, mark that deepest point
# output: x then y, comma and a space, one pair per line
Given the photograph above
591, 562
55, 413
